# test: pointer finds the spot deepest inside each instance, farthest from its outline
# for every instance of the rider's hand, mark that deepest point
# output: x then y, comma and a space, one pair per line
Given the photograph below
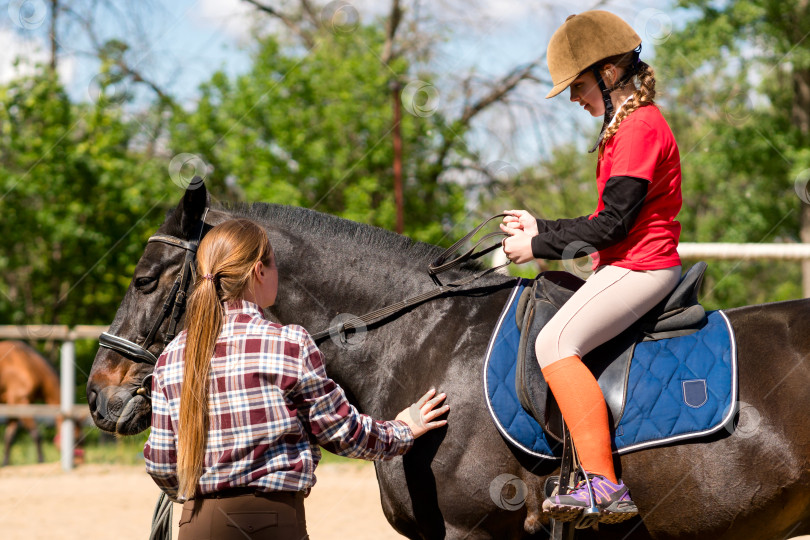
421, 416
518, 246
519, 219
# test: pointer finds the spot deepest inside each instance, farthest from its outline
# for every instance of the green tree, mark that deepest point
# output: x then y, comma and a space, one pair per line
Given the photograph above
315, 130
740, 77
78, 199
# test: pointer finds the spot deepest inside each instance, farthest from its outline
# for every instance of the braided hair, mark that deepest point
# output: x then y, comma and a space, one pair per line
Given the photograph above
643, 95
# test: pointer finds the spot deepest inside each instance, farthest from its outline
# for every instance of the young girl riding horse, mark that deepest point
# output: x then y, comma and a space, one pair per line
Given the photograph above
240, 404
638, 176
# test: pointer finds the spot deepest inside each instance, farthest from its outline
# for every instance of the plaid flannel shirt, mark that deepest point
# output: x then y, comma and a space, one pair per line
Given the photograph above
270, 405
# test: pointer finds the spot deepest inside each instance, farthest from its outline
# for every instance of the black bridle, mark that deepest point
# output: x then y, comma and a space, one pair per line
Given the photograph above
173, 307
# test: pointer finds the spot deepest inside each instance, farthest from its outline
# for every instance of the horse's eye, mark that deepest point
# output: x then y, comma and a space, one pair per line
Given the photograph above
146, 284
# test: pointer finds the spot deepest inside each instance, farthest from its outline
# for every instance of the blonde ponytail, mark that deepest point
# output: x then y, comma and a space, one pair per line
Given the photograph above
225, 260
644, 95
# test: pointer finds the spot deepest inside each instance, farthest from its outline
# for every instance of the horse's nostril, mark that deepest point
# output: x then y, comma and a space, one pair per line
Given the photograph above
92, 396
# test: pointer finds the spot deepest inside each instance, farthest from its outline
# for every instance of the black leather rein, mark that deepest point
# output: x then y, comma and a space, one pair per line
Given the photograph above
176, 300
442, 263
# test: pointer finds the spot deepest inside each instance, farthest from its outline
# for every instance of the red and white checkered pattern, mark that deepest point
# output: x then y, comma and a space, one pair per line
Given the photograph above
270, 405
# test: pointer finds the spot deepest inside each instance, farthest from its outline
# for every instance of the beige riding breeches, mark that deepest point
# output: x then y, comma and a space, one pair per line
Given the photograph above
611, 300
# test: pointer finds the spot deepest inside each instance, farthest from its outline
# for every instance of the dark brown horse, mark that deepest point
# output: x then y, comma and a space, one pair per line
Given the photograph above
751, 482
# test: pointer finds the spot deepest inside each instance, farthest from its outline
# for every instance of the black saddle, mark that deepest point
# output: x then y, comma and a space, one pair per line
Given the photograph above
677, 315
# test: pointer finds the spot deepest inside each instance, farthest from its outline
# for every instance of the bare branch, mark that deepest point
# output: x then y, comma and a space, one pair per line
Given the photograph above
310, 11
137, 76
498, 93
501, 89
288, 21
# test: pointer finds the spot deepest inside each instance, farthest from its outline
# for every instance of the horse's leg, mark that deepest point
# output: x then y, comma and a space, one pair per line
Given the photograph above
31, 426
11, 434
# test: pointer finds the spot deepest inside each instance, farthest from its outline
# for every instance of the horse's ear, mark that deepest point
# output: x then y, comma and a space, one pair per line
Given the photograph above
192, 207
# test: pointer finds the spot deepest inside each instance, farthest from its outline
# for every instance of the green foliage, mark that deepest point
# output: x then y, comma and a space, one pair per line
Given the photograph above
98, 448
314, 129
731, 74
78, 202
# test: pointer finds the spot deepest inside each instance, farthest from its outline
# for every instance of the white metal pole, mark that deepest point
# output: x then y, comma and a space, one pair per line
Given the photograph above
68, 384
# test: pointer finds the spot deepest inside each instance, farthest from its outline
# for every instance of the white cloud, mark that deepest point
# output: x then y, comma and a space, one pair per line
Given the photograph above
26, 53
232, 17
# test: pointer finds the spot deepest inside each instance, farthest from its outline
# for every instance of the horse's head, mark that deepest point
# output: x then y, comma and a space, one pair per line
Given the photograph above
152, 310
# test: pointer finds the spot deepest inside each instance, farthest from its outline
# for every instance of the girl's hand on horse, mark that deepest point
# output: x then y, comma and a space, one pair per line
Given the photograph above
518, 246
519, 219
421, 416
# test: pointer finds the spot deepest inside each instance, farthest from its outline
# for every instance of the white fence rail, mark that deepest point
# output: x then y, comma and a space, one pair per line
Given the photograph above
68, 409
724, 251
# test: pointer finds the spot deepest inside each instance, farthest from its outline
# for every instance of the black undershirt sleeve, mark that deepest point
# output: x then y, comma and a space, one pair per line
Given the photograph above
623, 198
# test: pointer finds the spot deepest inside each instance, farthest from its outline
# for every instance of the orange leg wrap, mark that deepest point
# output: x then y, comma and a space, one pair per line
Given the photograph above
585, 412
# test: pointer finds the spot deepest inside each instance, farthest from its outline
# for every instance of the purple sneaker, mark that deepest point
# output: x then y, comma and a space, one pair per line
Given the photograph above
612, 499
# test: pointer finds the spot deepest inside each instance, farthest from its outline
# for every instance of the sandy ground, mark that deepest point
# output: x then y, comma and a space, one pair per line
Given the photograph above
110, 501
116, 502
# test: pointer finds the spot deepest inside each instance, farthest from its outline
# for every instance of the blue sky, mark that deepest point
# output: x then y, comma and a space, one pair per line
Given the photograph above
180, 43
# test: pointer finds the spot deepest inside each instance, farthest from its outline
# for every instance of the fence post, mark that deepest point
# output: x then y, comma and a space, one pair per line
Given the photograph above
68, 382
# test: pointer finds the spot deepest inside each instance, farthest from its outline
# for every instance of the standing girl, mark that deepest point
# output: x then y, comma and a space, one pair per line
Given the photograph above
633, 233
240, 404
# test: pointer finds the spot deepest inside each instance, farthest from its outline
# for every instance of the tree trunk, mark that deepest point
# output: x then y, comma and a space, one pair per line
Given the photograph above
399, 199
52, 33
801, 119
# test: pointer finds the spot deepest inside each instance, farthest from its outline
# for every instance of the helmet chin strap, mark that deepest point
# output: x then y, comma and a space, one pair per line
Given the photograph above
609, 109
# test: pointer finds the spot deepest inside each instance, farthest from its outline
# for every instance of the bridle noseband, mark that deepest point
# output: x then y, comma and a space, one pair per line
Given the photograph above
173, 307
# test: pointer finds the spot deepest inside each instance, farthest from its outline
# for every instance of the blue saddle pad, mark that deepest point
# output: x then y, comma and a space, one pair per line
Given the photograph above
678, 388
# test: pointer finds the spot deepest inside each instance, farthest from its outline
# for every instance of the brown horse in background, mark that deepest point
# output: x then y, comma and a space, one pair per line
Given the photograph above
25, 378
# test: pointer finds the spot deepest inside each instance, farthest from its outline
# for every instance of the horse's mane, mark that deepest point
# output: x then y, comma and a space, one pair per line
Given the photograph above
328, 226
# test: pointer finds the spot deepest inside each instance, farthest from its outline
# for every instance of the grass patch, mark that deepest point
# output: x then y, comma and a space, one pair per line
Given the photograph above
98, 447
103, 448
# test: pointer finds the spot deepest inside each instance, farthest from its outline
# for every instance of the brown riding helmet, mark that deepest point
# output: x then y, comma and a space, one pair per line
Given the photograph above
582, 41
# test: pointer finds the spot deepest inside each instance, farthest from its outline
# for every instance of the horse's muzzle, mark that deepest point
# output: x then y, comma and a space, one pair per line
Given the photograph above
117, 410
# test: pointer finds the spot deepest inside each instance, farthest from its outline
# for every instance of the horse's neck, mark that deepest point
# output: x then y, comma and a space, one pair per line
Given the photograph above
391, 364
45, 383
